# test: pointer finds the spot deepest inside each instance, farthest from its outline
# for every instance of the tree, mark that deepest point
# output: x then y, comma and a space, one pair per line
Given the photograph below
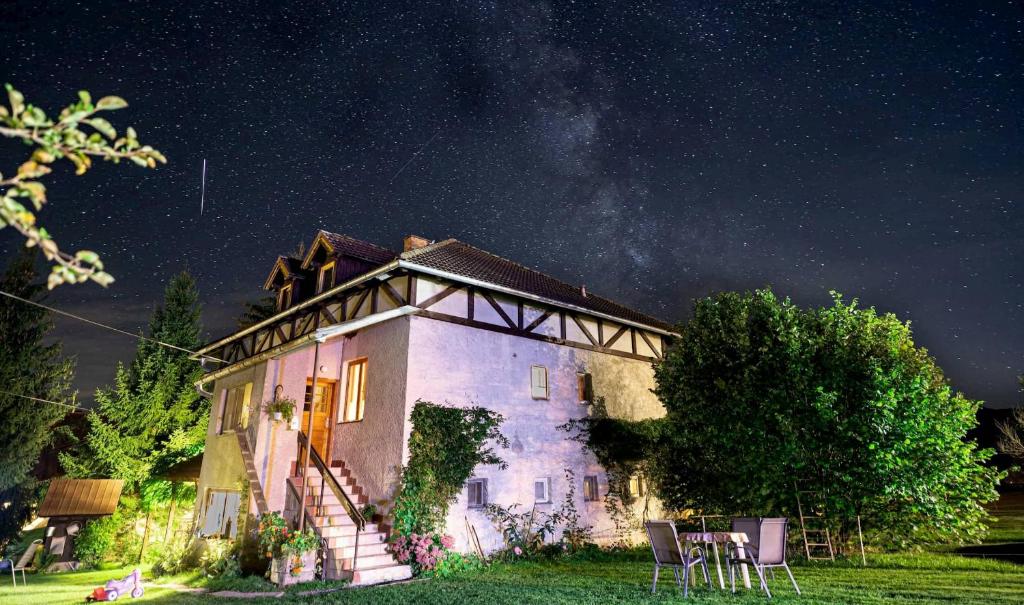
53, 140
31, 368
152, 417
1011, 440
256, 311
762, 396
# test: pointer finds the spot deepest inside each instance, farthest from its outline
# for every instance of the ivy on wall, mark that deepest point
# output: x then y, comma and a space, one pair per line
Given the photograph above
445, 445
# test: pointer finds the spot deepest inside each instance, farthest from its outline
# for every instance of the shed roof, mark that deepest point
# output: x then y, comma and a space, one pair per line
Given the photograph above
81, 497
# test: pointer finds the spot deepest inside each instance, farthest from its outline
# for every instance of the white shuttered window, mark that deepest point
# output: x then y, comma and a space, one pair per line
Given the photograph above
538, 382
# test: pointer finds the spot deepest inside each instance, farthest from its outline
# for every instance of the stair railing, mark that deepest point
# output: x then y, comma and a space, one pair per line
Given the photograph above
327, 480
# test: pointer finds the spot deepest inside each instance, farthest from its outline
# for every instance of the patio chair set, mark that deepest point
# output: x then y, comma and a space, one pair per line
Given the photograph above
758, 542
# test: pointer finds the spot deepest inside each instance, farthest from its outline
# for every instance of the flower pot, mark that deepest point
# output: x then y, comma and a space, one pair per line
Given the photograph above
277, 416
293, 569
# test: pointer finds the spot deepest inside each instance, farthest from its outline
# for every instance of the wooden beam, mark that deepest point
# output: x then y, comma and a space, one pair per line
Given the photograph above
533, 336
519, 305
392, 294
584, 329
561, 321
410, 289
359, 303
443, 294
539, 320
650, 344
490, 299
470, 301
632, 338
616, 336
600, 332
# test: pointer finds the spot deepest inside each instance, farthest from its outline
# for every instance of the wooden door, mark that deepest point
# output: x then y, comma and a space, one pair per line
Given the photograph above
322, 402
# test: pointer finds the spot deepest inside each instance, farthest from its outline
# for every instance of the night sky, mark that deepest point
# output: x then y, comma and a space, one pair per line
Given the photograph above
654, 152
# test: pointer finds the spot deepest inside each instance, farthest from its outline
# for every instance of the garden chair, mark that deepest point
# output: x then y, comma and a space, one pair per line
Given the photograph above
7, 564
765, 551
669, 553
25, 561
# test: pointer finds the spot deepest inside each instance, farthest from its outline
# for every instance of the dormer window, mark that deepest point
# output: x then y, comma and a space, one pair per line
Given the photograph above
326, 279
284, 297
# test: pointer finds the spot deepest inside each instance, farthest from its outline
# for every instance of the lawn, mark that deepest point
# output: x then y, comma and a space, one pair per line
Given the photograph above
920, 579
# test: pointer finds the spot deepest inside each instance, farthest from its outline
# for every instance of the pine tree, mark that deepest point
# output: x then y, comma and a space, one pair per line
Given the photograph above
31, 368
152, 417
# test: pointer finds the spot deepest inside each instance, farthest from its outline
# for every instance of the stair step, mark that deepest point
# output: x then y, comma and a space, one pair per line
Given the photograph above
380, 575
347, 540
363, 562
366, 549
334, 530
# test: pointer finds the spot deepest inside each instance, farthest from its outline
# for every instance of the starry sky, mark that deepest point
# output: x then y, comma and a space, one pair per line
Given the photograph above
655, 152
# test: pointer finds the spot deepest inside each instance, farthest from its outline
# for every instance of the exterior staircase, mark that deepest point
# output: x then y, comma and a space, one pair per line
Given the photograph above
250, 470
359, 556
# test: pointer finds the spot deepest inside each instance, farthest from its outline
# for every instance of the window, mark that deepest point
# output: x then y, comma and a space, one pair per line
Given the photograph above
538, 382
284, 297
235, 414
637, 486
221, 513
584, 387
542, 490
476, 491
355, 392
590, 488
326, 281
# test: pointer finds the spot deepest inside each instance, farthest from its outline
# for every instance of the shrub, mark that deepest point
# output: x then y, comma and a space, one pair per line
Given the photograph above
219, 559
445, 445
422, 552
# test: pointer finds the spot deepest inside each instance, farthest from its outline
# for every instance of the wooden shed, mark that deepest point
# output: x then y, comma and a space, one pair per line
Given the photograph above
68, 504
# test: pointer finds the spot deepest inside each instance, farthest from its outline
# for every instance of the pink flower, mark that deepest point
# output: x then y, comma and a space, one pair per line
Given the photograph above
518, 551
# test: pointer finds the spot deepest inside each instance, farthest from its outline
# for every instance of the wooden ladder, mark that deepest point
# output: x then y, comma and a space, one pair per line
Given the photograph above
250, 471
814, 527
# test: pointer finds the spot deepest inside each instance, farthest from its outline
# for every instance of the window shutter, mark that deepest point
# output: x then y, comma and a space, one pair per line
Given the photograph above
588, 388
538, 382
229, 523
214, 512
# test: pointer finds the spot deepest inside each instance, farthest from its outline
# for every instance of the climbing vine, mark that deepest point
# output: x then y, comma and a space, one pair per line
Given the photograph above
446, 444
627, 450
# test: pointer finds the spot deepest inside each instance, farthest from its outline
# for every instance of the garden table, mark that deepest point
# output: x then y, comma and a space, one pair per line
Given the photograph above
714, 538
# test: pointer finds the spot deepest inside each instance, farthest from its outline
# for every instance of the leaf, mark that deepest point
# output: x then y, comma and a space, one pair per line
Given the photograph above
85, 97
130, 134
102, 278
111, 103
104, 127
87, 256
138, 160
17, 100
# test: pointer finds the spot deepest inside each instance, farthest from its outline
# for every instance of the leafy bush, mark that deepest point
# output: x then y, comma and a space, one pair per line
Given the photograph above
220, 559
760, 393
446, 444
421, 551
531, 534
110, 539
454, 563
171, 558
272, 532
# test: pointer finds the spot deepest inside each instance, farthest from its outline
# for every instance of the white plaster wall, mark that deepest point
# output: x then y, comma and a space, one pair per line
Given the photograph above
460, 365
222, 466
372, 448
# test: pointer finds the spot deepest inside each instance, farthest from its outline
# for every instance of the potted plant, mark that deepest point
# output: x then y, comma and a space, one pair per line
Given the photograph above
272, 532
280, 409
297, 559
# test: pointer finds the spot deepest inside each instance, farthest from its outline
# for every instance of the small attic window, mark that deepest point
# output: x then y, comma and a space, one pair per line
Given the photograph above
326, 280
284, 297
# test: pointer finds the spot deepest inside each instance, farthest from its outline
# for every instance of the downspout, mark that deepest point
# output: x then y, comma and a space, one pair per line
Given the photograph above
309, 436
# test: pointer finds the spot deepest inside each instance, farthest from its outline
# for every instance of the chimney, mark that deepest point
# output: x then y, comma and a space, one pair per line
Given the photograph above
583, 290
411, 242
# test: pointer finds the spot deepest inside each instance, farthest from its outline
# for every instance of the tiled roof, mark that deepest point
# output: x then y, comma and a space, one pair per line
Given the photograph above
453, 256
81, 497
351, 246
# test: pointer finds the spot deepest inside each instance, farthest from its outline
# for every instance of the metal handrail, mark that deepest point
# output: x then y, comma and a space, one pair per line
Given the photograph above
327, 477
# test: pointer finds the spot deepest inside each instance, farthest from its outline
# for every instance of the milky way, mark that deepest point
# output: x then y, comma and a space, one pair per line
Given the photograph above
654, 152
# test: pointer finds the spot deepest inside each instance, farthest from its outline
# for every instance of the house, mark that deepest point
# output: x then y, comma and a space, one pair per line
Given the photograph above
68, 504
361, 333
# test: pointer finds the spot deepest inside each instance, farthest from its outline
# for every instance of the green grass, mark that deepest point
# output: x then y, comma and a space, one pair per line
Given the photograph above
900, 579
919, 579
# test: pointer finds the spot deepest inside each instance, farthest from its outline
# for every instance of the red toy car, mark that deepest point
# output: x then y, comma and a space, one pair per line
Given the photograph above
130, 584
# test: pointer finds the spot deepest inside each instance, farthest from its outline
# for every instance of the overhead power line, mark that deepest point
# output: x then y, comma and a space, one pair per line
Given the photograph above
96, 323
67, 405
